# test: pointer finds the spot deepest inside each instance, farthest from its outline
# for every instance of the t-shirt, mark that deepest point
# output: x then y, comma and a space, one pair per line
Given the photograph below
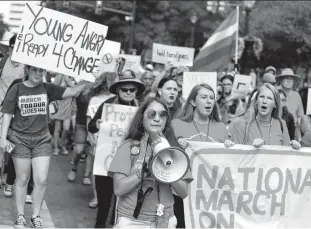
294, 105
29, 105
216, 131
10, 73
237, 132
306, 140
82, 105
121, 163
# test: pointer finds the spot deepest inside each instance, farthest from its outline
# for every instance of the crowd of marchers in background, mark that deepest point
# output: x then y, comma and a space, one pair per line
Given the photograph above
275, 106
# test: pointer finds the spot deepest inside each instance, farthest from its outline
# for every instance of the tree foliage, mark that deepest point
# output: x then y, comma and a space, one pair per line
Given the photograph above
3, 27
285, 28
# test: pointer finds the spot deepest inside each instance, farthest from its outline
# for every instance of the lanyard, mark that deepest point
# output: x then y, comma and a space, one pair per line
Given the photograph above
199, 132
270, 125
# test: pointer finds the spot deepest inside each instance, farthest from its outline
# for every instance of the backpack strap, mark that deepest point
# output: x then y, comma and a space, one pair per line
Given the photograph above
281, 124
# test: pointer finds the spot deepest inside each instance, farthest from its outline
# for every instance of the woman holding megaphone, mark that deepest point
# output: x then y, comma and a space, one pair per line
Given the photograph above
143, 200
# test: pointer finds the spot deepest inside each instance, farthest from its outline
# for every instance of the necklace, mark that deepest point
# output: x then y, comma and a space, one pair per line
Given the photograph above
270, 125
199, 132
265, 125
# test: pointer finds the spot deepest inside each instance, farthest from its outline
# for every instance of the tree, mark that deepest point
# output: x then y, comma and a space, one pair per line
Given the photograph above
285, 28
3, 27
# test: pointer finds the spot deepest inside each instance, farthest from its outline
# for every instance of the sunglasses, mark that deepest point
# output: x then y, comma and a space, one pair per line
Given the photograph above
219, 92
151, 114
128, 89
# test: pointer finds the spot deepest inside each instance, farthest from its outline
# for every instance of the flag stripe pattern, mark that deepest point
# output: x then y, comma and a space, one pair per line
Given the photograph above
218, 49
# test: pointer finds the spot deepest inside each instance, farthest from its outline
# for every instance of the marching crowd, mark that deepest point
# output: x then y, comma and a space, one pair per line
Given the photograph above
33, 110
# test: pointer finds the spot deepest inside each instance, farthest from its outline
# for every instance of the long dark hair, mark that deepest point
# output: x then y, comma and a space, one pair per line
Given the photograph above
187, 112
136, 129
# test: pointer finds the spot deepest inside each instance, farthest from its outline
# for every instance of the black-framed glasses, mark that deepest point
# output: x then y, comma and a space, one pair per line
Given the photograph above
123, 89
151, 114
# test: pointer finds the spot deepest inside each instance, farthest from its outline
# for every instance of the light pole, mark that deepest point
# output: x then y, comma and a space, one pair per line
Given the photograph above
193, 20
132, 27
248, 9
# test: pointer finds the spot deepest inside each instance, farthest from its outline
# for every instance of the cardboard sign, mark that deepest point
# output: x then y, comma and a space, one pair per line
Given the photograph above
173, 54
116, 119
59, 42
309, 102
191, 79
109, 62
244, 187
241, 85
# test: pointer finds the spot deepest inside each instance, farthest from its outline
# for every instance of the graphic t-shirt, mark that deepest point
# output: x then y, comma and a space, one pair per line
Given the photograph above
277, 137
29, 105
126, 164
213, 132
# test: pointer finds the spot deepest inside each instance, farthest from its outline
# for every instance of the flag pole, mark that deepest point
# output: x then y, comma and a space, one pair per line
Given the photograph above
237, 40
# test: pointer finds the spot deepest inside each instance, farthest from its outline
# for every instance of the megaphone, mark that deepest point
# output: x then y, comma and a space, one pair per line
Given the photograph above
168, 164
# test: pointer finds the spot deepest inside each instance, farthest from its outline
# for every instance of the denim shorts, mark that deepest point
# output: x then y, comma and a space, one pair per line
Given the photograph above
123, 222
30, 145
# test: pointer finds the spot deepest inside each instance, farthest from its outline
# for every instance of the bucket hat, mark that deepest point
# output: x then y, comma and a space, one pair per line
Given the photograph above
287, 72
127, 78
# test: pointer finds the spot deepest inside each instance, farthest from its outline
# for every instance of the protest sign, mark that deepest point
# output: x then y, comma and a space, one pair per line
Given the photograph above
241, 85
173, 54
309, 102
59, 42
244, 187
110, 50
193, 78
110, 59
116, 119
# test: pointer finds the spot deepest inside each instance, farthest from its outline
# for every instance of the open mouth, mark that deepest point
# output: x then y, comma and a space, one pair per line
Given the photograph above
172, 97
208, 108
264, 108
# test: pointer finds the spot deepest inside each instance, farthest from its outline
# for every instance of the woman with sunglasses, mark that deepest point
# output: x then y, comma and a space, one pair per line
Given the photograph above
262, 124
126, 89
197, 121
25, 124
130, 177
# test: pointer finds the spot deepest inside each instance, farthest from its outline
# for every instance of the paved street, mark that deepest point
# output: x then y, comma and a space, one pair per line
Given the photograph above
66, 204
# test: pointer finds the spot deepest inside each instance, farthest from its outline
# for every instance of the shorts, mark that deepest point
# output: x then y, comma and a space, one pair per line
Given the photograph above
30, 145
80, 134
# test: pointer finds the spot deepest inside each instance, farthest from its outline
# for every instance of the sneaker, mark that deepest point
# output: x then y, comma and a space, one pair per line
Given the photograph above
36, 222
56, 152
20, 222
65, 151
86, 181
8, 190
28, 199
93, 203
72, 175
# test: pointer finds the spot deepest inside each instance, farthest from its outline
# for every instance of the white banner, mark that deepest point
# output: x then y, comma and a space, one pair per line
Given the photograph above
193, 78
116, 119
173, 54
59, 42
245, 187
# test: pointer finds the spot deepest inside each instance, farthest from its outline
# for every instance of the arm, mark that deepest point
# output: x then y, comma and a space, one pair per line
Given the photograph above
181, 188
90, 135
123, 184
92, 128
74, 91
4, 130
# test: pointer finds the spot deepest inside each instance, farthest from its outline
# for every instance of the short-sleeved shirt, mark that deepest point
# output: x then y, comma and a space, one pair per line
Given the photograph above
216, 131
10, 73
126, 164
237, 134
306, 140
294, 105
82, 105
29, 105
